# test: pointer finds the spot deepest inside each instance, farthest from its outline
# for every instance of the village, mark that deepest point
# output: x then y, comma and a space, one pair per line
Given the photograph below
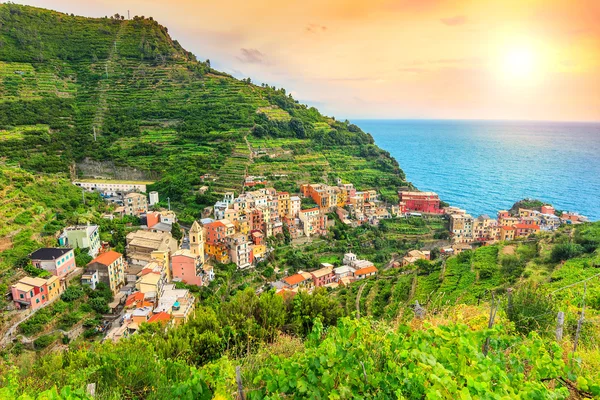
151, 281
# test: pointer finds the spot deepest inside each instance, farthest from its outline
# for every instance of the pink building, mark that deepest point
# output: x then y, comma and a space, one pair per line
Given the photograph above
185, 267
548, 210
58, 261
324, 275
425, 202
30, 293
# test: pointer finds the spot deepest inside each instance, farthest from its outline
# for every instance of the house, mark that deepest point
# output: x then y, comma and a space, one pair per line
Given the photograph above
58, 261
314, 222
196, 240
179, 303
161, 317
507, 233
294, 281
240, 251
523, 230
82, 237
137, 300
55, 288
343, 272
90, 278
460, 247
425, 202
324, 196
485, 229
548, 209
365, 272
140, 315
144, 246
160, 221
110, 268
324, 275
415, 255
153, 279
461, 228
112, 187
186, 267
295, 206
349, 258
30, 293
135, 204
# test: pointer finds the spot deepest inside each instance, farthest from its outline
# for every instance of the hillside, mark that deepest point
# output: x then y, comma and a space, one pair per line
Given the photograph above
157, 110
313, 345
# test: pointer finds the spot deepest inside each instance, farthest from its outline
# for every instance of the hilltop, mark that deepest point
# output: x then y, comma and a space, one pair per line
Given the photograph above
124, 96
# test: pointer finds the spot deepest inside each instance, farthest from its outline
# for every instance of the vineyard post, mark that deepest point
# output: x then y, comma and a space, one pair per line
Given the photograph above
493, 308
238, 379
580, 321
560, 321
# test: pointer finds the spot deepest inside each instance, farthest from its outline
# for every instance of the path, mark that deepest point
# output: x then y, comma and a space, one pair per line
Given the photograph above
358, 299
104, 83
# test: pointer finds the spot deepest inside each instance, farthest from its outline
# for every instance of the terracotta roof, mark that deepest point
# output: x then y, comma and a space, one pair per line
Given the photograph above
106, 258
215, 224
365, 271
134, 298
508, 228
294, 279
526, 226
160, 317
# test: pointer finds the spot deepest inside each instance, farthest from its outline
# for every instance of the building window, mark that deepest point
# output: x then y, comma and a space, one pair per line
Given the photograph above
37, 300
22, 295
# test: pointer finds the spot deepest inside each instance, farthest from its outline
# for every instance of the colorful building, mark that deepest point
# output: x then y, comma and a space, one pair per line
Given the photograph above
56, 260
82, 237
186, 267
425, 202
110, 268
135, 204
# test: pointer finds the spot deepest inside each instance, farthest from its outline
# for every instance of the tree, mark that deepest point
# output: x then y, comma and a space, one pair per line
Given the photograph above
176, 232
99, 305
297, 126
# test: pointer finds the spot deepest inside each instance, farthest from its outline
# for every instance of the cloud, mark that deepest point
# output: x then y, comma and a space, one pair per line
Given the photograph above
455, 20
252, 56
315, 28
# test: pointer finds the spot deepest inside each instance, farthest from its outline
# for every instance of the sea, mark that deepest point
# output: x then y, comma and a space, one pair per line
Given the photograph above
486, 166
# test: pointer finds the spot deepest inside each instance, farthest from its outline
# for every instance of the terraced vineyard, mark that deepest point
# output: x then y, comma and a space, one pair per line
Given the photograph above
123, 91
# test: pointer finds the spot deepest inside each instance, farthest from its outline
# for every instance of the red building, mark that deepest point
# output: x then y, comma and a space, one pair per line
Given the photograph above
186, 267
215, 232
425, 202
522, 230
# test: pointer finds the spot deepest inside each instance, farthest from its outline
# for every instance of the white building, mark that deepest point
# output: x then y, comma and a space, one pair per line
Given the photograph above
153, 198
112, 187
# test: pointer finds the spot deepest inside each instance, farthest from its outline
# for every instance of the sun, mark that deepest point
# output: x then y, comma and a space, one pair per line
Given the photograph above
519, 63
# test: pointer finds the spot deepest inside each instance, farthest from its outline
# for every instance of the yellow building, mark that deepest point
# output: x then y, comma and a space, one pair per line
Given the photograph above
54, 289
283, 204
220, 252
197, 241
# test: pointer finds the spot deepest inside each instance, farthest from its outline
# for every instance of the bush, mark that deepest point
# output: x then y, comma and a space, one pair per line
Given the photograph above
100, 305
72, 293
43, 341
566, 251
531, 309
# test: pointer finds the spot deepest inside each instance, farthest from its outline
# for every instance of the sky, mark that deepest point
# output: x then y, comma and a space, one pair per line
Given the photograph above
446, 59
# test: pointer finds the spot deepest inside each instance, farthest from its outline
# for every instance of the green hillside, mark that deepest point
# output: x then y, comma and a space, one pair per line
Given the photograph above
158, 110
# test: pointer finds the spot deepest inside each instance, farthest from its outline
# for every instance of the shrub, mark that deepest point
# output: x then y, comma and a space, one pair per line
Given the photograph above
72, 293
566, 251
531, 309
43, 341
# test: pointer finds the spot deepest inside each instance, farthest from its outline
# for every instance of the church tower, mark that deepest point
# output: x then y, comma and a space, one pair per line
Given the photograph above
197, 240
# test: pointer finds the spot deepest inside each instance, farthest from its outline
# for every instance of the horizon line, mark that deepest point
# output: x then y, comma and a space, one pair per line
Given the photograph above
472, 120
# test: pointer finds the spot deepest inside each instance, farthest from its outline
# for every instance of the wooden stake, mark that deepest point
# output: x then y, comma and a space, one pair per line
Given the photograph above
493, 309
238, 379
560, 321
581, 317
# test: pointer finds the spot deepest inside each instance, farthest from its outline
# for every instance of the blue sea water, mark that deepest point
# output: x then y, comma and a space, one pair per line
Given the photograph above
485, 166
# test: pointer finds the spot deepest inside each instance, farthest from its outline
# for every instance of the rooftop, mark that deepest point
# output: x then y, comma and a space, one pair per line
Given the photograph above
160, 317
49, 253
294, 279
106, 258
33, 281
365, 271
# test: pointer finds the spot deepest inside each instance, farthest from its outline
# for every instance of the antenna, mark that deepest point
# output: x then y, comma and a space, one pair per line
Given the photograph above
127, 14
94, 133
169, 202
